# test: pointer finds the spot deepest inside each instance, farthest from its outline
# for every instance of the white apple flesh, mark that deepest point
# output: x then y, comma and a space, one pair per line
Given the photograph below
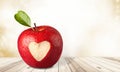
39, 50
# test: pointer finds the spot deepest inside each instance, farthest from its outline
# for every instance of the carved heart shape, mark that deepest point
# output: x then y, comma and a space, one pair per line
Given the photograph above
39, 50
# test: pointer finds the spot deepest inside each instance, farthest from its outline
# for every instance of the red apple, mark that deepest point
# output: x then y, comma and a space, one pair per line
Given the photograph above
40, 47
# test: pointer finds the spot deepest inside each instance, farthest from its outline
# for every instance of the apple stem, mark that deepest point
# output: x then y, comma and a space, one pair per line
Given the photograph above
35, 27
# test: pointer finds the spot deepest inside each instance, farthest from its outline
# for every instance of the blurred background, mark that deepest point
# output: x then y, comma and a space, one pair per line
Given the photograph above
88, 27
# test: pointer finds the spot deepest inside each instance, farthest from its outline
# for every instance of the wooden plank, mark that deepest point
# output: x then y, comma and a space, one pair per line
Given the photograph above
53, 68
103, 64
106, 64
73, 65
6, 61
115, 61
9, 66
85, 65
22, 68
16, 67
110, 62
63, 66
113, 58
27, 69
118, 58
38, 70
96, 65
66, 64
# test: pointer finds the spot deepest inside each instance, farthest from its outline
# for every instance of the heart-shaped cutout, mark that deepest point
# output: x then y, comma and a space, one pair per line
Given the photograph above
39, 50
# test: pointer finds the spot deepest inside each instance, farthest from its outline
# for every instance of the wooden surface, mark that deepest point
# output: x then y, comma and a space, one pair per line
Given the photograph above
65, 64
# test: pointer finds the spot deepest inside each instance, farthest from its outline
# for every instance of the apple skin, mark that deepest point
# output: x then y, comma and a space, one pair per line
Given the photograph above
39, 34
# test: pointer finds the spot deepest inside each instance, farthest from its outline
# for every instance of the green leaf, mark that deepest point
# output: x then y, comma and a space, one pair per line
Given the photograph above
23, 18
